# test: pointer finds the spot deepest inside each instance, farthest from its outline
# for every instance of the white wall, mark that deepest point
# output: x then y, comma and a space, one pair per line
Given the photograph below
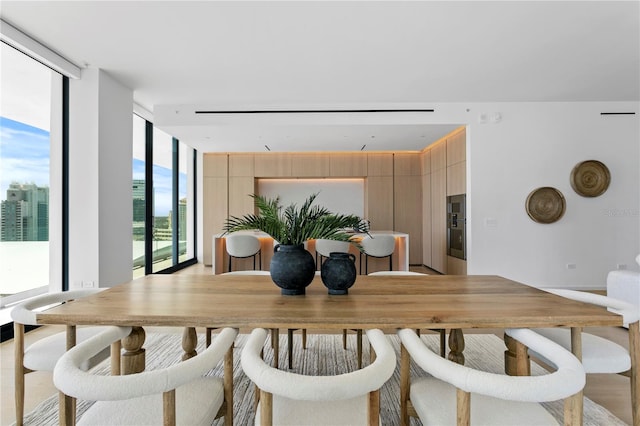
538, 144
339, 196
100, 154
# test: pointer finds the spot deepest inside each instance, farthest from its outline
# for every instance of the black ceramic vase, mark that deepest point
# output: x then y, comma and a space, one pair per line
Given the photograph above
338, 272
292, 268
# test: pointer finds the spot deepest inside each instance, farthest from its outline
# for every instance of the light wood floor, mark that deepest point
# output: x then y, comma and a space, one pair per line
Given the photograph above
608, 390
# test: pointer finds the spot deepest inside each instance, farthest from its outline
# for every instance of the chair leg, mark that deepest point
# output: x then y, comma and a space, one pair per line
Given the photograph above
229, 263
443, 342
391, 262
359, 346
304, 338
290, 347
19, 371
344, 339
366, 264
275, 343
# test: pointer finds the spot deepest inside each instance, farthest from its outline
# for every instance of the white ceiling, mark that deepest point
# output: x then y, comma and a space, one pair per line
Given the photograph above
182, 56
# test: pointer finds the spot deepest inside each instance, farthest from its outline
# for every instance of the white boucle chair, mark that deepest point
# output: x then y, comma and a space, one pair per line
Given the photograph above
242, 246
293, 399
625, 285
380, 246
178, 394
43, 354
324, 248
478, 397
599, 355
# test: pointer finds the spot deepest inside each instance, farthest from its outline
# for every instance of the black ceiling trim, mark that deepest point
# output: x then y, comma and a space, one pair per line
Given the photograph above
312, 111
617, 113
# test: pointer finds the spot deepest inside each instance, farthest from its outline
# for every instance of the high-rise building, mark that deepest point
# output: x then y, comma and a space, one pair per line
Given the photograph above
25, 213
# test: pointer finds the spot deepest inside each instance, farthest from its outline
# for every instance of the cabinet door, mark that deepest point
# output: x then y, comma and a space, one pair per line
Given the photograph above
438, 156
214, 165
457, 178
407, 164
380, 164
439, 220
407, 214
241, 165
272, 165
379, 202
240, 189
456, 148
214, 207
310, 165
348, 165
426, 220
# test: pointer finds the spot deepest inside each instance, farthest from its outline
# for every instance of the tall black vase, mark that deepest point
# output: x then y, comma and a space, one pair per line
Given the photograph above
338, 272
292, 268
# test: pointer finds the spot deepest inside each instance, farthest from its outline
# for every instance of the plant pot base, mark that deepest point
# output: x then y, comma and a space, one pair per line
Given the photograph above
293, 292
338, 292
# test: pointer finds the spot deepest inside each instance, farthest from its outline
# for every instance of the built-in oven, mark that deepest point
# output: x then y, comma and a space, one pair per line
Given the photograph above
456, 226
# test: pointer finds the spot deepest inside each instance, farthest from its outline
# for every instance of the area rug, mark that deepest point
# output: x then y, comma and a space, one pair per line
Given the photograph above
324, 356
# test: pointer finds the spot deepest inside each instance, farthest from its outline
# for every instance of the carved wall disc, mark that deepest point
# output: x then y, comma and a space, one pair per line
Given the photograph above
590, 178
545, 205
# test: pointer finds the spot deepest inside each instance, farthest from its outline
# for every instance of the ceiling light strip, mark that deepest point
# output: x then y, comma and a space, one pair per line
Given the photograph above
617, 113
312, 111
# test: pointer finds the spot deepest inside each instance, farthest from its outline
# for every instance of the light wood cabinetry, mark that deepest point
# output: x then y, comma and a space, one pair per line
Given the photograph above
426, 208
379, 202
348, 165
240, 189
214, 206
407, 164
439, 220
272, 165
310, 165
214, 165
380, 164
408, 211
457, 178
456, 147
438, 156
241, 165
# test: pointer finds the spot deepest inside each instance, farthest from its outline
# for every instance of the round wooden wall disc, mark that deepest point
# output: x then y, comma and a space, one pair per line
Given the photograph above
545, 205
590, 178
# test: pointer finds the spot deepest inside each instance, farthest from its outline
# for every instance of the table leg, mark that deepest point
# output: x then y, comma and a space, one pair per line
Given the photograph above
133, 359
516, 358
404, 385
574, 404
189, 343
634, 353
456, 344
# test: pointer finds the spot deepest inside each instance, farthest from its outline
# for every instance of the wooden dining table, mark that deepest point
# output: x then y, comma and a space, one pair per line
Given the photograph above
451, 302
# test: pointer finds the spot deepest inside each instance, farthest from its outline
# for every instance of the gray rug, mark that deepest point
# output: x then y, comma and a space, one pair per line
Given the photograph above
324, 356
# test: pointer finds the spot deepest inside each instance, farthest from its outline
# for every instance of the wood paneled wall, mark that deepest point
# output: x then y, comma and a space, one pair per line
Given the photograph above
404, 191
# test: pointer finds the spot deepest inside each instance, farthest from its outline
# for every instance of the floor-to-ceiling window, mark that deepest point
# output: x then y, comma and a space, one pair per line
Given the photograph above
163, 200
30, 111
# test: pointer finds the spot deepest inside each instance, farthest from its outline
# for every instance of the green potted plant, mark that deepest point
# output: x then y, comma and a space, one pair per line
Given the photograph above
292, 267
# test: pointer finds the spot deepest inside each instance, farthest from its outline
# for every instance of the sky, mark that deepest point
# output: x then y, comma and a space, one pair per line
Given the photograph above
25, 115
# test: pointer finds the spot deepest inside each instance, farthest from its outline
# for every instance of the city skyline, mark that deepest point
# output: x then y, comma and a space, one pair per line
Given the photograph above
24, 158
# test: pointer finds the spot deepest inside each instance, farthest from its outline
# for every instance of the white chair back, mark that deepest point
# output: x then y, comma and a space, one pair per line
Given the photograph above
326, 247
242, 245
318, 400
378, 245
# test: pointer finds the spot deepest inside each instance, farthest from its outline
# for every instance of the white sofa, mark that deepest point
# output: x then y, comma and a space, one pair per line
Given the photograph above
625, 285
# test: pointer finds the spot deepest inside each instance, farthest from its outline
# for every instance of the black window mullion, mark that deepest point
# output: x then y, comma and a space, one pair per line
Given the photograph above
148, 196
65, 183
175, 193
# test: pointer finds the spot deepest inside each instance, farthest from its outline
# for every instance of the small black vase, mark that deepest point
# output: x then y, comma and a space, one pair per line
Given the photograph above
338, 272
292, 268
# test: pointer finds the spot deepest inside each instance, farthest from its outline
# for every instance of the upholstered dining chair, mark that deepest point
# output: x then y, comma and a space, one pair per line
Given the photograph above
599, 355
178, 394
243, 246
472, 396
293, 399
275, 333
43, 354
377, 246
324, 248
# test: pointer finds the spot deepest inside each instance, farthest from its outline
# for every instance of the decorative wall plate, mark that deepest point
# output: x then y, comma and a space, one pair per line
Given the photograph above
545, 205
590, 178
